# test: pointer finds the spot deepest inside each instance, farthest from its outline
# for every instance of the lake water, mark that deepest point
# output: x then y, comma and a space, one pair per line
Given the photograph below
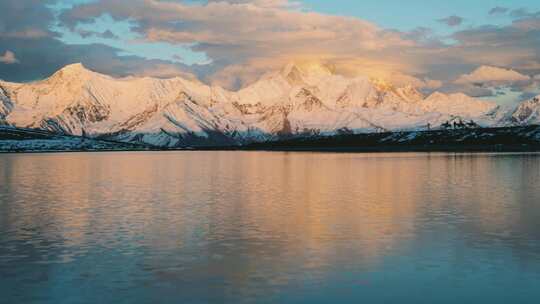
255, 227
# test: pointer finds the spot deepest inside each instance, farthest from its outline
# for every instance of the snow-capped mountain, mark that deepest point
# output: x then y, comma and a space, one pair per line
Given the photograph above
527, 113
300, 99
5, 105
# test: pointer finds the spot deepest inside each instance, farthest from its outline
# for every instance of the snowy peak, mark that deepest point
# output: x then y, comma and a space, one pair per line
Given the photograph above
457, 104
74, 67
308, 68
72, 77
528, 112
308, 72
455, 97
410, 94
72, 70
315, 69
305, 100
302, 98
381, 84
293, 75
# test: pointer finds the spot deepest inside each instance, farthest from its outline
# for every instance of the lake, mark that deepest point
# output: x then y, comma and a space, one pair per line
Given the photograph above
261, 227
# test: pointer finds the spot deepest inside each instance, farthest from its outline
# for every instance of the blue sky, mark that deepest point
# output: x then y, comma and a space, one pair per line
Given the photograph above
130, 44
409, 14
125, 40
389, 14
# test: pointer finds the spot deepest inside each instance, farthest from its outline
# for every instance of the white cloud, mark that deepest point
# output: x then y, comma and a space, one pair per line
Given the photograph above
248, 38
163, 71
489, 75
8, 58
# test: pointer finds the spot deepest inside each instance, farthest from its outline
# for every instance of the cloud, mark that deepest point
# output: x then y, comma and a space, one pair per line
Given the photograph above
247, 38
514, 46
523, 13
25, 34
452, 21
488, 75
475, 91
242, 27
25, 28
490, 81
163, 70
528, 95
40, 58
25, 18
105, 34
498, 10
264, 3
8, 58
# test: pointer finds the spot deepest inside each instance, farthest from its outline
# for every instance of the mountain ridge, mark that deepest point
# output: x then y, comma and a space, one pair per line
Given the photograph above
297, 100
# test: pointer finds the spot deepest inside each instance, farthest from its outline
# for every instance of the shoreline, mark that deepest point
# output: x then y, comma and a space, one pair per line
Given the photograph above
360, 150
500, 140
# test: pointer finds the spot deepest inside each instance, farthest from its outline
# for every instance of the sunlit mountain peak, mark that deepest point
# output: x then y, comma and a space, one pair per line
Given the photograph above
308, 68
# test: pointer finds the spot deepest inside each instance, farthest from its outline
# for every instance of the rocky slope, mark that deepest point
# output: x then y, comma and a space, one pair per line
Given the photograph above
527, 113
298, 100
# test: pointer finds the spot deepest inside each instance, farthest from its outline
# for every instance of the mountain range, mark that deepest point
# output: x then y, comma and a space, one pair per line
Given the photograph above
299, 100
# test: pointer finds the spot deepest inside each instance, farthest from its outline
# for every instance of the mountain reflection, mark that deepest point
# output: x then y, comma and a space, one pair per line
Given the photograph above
205, 226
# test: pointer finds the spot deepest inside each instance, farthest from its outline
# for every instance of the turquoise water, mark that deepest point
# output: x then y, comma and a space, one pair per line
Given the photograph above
235, 227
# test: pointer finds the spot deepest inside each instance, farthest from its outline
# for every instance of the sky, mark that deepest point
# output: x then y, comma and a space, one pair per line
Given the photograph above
487, 49
407, 15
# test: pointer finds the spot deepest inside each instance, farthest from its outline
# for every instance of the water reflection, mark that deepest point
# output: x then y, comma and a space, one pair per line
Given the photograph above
269, 227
